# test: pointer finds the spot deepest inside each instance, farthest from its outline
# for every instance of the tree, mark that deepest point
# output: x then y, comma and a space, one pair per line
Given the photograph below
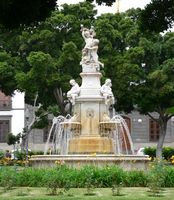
118, 33
157, 16
14, 13
155, 90
7, 71
30, 125
140, 67
45, 57
13, 139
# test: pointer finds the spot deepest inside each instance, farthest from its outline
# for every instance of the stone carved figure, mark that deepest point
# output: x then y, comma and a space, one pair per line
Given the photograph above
74, 118
106, 91
74, 92
106, 118
89, 52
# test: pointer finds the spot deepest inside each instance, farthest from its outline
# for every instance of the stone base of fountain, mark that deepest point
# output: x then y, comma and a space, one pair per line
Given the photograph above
84, 145
127, 162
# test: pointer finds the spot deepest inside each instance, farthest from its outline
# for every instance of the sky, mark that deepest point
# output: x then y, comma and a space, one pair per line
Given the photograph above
124, 5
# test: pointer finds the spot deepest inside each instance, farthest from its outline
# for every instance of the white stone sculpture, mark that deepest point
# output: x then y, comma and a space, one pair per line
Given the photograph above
74, 92
89, 52
106, 118
106, 91
74, 118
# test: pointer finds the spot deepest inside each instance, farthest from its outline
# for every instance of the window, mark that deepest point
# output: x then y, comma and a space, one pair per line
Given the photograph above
4, 130
154, 131
5, 102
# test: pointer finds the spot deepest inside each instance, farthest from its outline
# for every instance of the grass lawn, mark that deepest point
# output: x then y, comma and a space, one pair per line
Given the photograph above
137, 193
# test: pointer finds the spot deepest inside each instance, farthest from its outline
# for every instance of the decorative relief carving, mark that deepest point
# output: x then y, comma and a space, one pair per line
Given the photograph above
90, 113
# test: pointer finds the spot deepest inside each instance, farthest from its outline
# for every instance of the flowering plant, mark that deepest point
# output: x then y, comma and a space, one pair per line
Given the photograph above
172, 159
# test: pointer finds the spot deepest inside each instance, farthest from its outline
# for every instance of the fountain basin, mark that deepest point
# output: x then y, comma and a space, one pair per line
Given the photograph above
127, 162
106, 127
74, 127
70, 125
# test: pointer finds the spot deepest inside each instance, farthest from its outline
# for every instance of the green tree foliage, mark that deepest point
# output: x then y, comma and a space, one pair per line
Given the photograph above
117, 34
158, 15
45, 57
157, 91
12, 139
7, 71
140, 67
14, 13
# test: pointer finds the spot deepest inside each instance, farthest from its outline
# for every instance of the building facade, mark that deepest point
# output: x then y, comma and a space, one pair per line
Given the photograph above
11, 116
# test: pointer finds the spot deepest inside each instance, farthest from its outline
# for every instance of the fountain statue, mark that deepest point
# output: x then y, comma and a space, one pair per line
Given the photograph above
74, 92
90, 129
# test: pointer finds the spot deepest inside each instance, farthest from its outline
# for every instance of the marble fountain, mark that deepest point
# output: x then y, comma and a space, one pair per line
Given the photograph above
90, 135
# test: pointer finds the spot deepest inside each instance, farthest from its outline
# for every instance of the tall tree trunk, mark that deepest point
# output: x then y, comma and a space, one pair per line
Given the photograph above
163, 130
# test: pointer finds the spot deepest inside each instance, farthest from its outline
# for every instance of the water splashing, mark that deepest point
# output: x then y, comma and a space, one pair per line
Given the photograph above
121, 136
57, 142
62, 130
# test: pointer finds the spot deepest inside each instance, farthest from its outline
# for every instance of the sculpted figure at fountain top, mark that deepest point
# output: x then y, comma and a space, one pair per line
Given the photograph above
106, 91
89, 52
73, 92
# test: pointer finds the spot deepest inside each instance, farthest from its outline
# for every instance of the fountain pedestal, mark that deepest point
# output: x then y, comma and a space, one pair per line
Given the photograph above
90, 111
90, 106
85, 145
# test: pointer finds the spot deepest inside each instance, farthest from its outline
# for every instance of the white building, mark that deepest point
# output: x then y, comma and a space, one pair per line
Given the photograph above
11, 116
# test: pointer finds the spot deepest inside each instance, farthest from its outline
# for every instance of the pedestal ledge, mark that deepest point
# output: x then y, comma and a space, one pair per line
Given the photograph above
127, 162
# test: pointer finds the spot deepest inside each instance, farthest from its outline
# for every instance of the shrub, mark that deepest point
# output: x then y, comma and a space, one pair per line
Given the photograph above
1, 154
30, 153
56, 180
7, 178
167, 152
19, 155
62, 178
151, 151
116, 178
6, 162
169, 177
136, 178
89, 180
156, 177
30, 177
